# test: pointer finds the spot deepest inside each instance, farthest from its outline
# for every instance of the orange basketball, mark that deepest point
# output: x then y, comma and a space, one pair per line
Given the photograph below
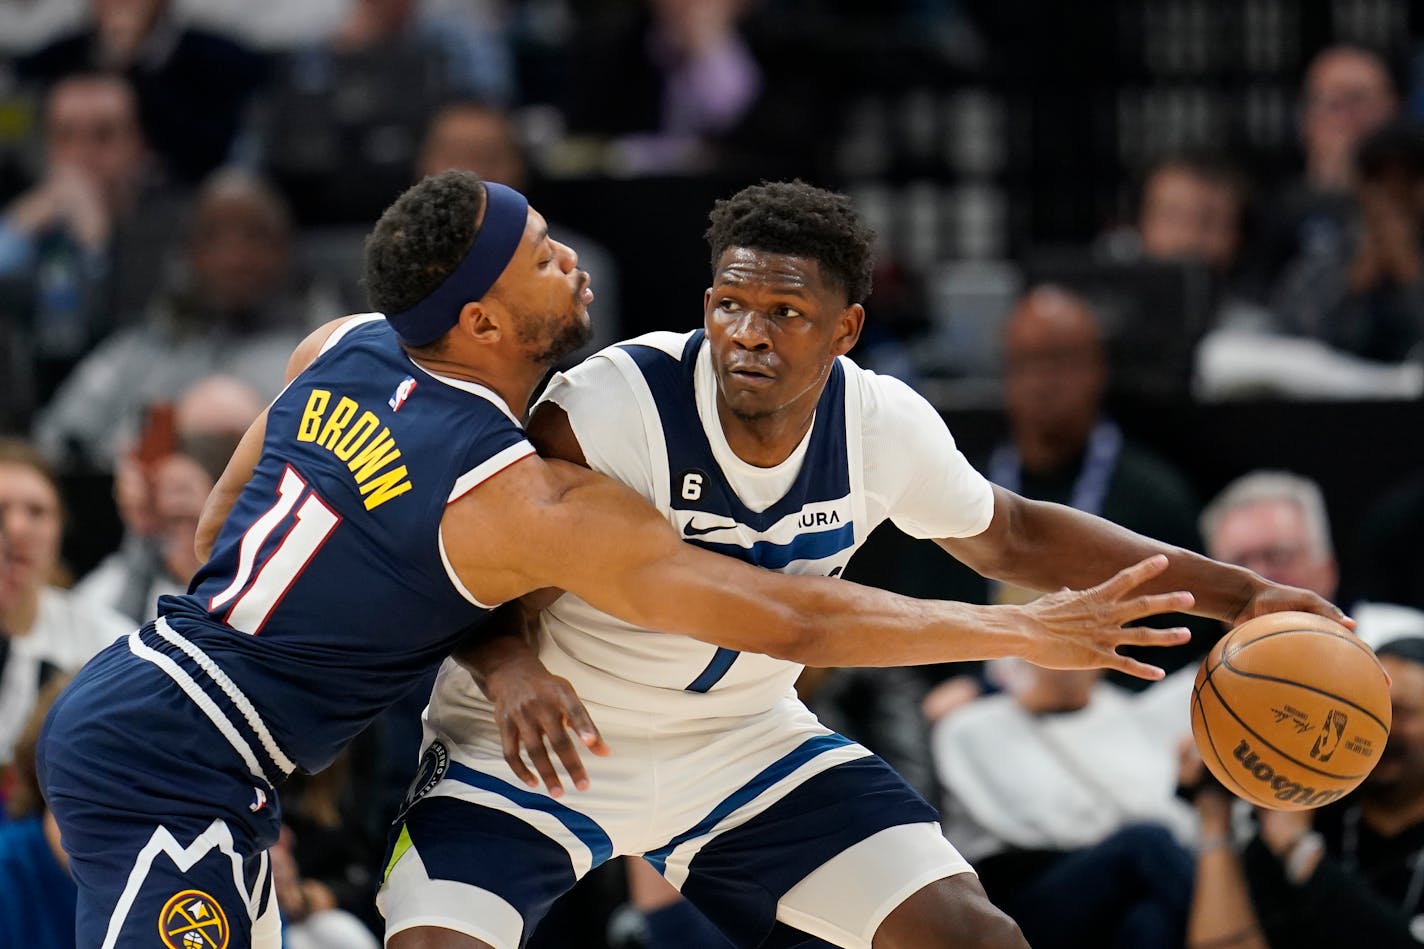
1290, 711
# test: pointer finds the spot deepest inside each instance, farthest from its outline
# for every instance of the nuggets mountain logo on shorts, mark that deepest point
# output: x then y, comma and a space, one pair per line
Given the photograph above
193, 920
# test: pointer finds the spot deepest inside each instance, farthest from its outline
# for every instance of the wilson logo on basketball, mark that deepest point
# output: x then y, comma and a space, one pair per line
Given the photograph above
1331, 732
1282, 787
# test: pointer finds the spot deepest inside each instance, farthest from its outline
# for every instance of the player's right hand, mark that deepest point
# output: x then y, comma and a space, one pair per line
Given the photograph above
536, 710
1082, 629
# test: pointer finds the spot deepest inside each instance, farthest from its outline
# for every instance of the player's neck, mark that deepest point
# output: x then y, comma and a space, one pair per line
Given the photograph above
514, 384
768, 440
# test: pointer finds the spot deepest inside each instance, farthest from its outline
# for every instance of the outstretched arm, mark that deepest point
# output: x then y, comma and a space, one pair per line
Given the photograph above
1045, 546
549, 524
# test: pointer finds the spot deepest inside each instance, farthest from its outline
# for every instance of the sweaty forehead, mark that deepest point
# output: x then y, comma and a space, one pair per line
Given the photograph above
748, 266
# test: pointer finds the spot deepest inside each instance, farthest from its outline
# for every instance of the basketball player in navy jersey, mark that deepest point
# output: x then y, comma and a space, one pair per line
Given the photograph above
756, 439
382, 504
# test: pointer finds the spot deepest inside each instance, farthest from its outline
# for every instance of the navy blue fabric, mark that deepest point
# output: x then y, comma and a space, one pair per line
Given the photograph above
501, 230
469, 843
580, 825
110, 793
738, 877
824, 474
374, 609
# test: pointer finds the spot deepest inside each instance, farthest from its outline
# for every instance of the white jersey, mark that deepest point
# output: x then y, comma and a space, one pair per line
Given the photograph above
644, 412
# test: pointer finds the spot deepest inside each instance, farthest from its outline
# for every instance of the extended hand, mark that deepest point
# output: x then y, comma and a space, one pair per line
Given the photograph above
1273, 598
1081, 629
532, 708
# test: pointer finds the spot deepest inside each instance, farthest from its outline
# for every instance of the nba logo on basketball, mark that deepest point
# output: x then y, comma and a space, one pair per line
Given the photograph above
402, 393
1330, 734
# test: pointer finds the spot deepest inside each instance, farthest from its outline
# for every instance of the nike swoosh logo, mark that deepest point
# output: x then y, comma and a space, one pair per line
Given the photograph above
690, 529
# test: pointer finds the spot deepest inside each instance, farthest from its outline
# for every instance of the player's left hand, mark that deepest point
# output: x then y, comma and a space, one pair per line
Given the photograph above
1275, 597
535, 711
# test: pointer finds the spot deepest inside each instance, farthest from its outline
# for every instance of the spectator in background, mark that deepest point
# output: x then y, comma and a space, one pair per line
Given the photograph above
37, 897
160, 487
1276, 523
471, 43
468, 135
192, 85
1349, 874
1193, 207
1347, 93
1192, 210
238, 308
43, 630
665, 79
1349, 322
81, 251
341, 125
1391, 558
1060, 792
1063, 448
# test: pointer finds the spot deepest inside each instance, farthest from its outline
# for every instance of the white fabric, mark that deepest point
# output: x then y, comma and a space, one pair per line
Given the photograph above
664, 776
328, 929
107, 584
1234, 364
409, 898
914, 473
903, 464
67, 631
845, 900
1060, 781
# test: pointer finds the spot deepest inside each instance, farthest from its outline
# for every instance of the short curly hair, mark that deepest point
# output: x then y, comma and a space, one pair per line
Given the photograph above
421, 239
793, 217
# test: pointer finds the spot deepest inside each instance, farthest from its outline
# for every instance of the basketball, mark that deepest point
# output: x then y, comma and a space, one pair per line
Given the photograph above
1290, 711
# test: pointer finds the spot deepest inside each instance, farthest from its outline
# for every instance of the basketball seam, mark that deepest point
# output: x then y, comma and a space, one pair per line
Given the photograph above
1351, 639
1241, 789
1301, 685
1324, 774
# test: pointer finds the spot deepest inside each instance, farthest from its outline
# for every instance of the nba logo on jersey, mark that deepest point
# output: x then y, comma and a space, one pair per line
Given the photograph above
402, 393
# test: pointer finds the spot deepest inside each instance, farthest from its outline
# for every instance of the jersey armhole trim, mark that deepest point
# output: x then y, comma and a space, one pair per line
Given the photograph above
455, 580
488, 468
340, 332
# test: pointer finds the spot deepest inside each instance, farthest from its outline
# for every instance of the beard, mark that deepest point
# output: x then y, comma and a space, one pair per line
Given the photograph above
553, 337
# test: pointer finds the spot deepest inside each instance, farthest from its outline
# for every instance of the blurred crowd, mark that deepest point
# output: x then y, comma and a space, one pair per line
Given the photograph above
185, 186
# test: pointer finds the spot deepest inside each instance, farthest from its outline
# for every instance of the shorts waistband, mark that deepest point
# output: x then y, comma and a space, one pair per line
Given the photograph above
216, 695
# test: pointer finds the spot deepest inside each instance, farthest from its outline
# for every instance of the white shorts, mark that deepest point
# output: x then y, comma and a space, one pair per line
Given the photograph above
768, 823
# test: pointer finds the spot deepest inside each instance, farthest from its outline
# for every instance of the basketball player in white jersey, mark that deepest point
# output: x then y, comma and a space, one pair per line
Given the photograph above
757, 439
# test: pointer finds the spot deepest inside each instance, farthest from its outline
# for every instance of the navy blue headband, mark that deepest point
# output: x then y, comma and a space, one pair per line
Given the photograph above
506, 212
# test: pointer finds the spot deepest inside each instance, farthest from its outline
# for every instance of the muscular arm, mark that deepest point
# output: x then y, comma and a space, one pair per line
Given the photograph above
547, 523
239, 467
1045, 546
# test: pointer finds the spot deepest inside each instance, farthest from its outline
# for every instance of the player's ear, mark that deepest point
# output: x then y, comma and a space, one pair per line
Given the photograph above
483, 324
848, 327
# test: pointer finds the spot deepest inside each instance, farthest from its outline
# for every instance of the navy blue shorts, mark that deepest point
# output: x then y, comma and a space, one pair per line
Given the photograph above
165, 826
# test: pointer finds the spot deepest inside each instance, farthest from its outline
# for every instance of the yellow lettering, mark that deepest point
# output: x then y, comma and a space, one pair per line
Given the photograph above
311, 416
387, 486
336, 424
375, 456
355, 438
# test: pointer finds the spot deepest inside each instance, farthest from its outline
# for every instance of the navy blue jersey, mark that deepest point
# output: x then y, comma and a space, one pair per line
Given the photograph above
328, 593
